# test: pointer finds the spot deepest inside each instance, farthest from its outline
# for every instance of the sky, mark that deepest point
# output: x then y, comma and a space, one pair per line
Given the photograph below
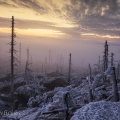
61, 27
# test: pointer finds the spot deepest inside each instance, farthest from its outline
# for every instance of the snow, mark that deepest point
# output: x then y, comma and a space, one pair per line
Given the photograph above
109, 71
42, 100
98, 111
24, 90
96, 79
24, 114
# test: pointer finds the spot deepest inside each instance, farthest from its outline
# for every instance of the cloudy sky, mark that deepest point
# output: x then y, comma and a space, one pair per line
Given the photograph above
62, 26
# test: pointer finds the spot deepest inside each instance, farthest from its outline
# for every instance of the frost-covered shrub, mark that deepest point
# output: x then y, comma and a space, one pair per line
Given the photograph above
26, 90
32, 102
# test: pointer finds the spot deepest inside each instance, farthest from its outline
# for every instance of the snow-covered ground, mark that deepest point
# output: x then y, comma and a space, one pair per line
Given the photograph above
49, 98
98, 111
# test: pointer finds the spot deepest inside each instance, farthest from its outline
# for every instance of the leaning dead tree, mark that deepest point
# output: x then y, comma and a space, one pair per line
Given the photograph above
69, 71
13, 52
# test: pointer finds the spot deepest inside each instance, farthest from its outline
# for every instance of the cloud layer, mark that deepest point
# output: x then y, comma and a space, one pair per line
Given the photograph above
90, 18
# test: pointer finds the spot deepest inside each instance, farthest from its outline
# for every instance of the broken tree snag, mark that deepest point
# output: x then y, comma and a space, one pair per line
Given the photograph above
114, 86
90, 90
65, 97
90, 95
90, 70
15, 105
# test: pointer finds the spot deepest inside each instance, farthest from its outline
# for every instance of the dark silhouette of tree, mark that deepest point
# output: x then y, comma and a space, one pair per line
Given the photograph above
105, 57
13, 52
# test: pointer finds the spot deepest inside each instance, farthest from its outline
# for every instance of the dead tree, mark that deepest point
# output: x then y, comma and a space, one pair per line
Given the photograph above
90, 95
20, 56
105, 57
114, 86
57, 70
28, 74
112, 64
98, 65
13, 52
90, 90
61, 64
49, 65
111, 71
42, 68
112, 59
15, 105
118, 70
45, 66
67, 106
28, 55
90, 71
69, 72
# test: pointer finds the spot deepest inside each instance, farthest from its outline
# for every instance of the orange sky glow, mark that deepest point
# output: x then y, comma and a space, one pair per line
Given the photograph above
57, 16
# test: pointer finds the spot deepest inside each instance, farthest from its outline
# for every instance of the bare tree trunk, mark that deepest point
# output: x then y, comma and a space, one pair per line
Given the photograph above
20, 56
105, 59
118, 71
90, 71
69, 72
90, 90
112, 59
25, 76
66, 104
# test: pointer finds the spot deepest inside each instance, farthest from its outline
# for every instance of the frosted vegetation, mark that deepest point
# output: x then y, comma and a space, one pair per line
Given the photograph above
46, 97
